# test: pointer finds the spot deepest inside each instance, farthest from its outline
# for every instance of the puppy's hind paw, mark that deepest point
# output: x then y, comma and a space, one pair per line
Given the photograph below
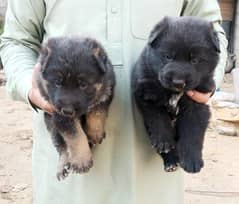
171, 167
96, 138
171, 164
170, 160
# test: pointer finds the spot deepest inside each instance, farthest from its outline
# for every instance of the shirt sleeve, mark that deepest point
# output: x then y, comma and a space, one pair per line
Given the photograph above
20, 44
210, 11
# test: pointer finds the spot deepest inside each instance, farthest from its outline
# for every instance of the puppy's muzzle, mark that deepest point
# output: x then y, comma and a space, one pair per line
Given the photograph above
68, 111
178, 84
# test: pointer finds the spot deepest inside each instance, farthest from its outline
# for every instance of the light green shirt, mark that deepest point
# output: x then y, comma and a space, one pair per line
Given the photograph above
126, 170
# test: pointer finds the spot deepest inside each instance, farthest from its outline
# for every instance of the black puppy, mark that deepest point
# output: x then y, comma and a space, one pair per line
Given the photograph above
181, 55
78, 79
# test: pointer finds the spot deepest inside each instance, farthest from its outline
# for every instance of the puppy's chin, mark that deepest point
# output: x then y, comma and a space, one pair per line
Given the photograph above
68, 116
169, 86
60, 113
176, 90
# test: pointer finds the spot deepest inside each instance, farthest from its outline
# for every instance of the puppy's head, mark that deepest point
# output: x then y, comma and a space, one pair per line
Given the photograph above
183, 51
72, 73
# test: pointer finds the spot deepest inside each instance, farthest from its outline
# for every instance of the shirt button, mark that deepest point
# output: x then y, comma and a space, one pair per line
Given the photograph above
114, 10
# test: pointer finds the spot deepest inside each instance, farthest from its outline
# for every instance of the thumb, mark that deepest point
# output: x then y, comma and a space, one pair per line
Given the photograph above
36, 71
198, 96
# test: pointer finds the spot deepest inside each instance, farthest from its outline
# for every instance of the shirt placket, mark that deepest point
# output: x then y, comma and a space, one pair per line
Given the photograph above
114, 30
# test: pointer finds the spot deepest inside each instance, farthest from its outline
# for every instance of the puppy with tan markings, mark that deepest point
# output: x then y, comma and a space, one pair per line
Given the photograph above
77, 77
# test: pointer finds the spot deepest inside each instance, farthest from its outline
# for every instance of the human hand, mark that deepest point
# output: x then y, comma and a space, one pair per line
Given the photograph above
34, 94
198, 96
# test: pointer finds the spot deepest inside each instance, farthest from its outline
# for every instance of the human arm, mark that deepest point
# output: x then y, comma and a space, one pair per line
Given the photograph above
20, 43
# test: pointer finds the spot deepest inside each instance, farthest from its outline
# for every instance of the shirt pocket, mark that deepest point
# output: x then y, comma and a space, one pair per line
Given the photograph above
89, 18
145, 14
82, 17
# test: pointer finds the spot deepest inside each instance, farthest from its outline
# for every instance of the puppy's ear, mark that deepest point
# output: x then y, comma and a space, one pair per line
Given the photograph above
45, 54
214, 39
158, 31
101, 59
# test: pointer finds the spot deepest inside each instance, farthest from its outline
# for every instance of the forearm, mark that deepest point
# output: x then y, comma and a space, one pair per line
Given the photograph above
20, 43
18, 62
220, 69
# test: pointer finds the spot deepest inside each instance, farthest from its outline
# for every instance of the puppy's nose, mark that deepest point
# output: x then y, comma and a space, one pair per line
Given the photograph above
178, 83
67, 111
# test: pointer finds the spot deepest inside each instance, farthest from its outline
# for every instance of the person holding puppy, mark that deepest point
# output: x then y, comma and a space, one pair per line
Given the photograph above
126, 169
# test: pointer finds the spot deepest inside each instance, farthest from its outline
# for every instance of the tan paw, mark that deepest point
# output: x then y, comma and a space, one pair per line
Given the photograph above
80, 163
95, 137
95, 126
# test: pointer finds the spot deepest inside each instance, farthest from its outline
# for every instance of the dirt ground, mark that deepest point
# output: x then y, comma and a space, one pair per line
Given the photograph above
218, 182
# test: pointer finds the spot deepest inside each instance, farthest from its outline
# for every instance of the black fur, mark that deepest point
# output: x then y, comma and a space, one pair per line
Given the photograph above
181, 55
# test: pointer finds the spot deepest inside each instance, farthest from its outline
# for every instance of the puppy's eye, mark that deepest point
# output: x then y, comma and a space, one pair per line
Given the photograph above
194, 61
58, 83
83, 85
193, 58
169, 57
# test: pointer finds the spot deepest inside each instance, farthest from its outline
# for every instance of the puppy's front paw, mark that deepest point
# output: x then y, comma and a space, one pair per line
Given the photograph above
80, 163
63, 168
81, 166
73, 164
63, 172
191, 163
